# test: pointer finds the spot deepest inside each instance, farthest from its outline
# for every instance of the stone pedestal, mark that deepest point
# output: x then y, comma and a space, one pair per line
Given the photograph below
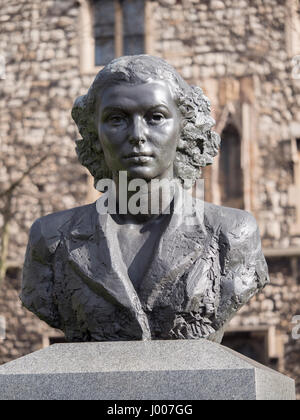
155, 370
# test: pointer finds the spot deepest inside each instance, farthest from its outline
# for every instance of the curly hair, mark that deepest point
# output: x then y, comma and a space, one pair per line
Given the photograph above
198, 143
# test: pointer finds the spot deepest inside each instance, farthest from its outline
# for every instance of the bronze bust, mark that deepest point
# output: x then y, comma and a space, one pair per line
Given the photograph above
139, 276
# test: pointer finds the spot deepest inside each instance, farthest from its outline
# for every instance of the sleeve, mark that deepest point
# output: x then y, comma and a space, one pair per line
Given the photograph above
244, 268
38, 277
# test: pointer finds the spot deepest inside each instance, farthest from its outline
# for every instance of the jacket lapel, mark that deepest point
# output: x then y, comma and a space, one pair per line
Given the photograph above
94, 253
180, 251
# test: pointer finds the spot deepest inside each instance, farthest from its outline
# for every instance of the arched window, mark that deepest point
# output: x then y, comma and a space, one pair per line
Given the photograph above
230, 169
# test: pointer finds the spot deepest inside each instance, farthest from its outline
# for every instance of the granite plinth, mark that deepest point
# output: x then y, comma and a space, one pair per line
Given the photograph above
136, 370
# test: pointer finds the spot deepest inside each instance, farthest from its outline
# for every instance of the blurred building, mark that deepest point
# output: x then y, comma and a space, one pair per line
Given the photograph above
245, 54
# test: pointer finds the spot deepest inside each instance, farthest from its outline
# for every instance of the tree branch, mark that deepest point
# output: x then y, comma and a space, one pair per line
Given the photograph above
7, 216
15, 184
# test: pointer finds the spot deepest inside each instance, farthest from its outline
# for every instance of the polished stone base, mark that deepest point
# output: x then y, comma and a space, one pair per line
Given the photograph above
153, 370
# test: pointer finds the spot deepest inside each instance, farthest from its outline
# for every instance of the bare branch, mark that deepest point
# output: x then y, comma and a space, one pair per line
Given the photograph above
15, 184
7, 215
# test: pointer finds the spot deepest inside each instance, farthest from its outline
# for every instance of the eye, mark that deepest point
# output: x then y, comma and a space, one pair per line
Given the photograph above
156, 118
116, 120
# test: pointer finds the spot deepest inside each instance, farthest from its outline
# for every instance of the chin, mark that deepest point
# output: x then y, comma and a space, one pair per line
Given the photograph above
142, 172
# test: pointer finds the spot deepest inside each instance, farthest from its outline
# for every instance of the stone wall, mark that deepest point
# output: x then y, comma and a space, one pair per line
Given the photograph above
25, 333
39, 42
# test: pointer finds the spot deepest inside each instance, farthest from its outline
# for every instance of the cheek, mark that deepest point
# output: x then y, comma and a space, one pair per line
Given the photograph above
108, 139
167, 138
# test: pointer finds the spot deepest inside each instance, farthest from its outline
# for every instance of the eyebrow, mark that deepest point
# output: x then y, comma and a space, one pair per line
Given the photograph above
111, 108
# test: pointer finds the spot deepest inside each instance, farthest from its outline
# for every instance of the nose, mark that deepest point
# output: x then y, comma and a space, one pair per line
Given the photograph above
138, 132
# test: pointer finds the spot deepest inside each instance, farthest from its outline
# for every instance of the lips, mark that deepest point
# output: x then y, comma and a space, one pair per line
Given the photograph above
139, 157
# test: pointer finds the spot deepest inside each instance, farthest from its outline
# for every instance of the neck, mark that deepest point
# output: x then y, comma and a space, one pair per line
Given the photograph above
139, 200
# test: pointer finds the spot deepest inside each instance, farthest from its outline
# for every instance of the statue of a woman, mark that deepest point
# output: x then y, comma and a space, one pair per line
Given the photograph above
128, 275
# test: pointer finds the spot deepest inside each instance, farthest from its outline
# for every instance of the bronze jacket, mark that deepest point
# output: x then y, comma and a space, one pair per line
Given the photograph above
74, 277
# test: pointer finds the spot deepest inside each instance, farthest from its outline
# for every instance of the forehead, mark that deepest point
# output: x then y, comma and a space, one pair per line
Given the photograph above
142, 95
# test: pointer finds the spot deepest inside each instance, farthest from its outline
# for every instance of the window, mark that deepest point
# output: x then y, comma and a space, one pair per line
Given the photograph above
250, 344
119, 29
262, 344
112, 28
294, 197
104, 31
292, 27
230, 169
133, 27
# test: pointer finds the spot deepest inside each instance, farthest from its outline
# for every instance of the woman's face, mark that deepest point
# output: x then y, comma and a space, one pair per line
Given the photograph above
139, 128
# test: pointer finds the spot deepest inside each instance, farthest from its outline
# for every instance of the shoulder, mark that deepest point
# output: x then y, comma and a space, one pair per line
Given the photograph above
237, 224
47, 229
238, 235
240, 244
